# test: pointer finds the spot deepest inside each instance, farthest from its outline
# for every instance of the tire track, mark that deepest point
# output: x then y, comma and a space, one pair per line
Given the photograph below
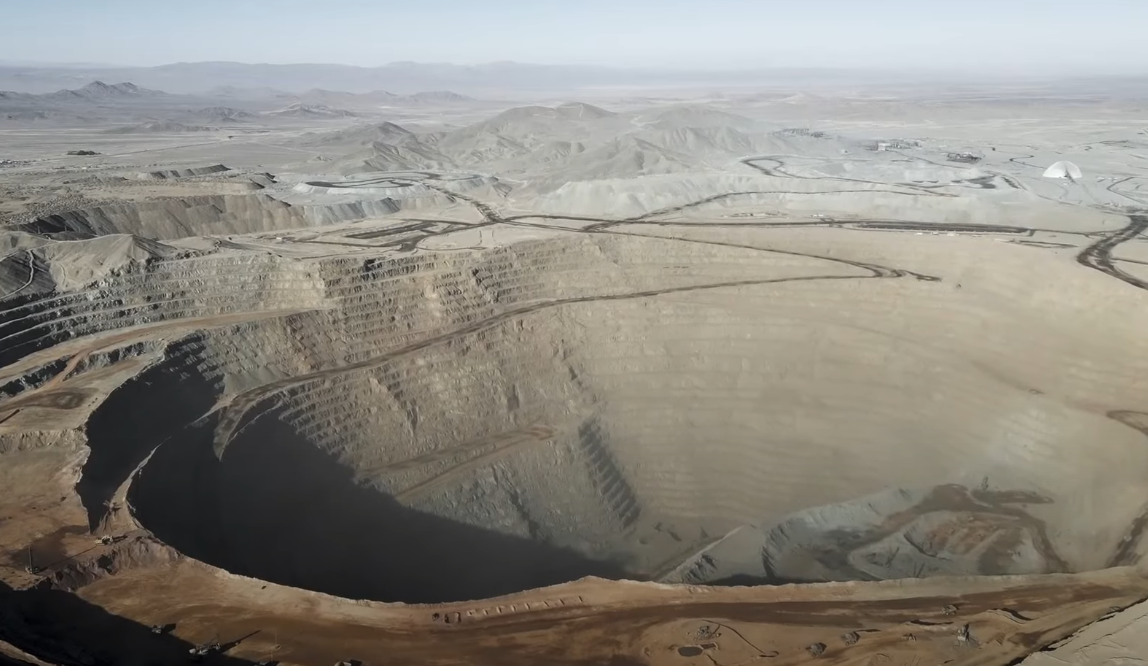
598, 225
718, 197
780, 172
602, 226
1127, 552
875, 270
1121, 193
1098, 256
1018, 158
825, 222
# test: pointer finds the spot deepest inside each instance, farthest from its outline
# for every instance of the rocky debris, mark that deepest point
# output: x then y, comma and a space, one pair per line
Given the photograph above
964, 158
965, 637
62, 203
198, 652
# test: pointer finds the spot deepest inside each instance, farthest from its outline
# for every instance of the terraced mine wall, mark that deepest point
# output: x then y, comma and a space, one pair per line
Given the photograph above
183, 217
431, 426
167, 219
168, 174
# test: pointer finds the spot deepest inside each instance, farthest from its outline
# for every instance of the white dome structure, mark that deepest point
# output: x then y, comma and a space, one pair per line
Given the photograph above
1063, 169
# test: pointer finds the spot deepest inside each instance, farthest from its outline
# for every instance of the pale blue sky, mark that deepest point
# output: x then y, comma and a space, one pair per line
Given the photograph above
1076, 35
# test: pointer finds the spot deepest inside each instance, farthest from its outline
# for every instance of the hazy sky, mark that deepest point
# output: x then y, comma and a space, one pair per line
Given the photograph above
1102, 35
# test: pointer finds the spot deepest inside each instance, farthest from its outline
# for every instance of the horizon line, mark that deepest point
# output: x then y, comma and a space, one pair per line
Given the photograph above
517, 63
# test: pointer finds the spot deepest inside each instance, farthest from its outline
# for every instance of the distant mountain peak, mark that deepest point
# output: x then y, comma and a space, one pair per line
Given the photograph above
388, 126
300, 110
101, 90
439, 96
221, 114
583, 110
125, 88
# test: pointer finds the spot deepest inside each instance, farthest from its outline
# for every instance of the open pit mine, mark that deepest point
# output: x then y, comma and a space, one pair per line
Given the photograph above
676, 396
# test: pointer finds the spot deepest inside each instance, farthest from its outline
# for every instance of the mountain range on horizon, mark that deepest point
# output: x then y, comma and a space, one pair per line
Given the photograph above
406, 77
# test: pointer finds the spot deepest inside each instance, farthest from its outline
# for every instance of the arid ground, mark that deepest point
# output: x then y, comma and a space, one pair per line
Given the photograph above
627, 378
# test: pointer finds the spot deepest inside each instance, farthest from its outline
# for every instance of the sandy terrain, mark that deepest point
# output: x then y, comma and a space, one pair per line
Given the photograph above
682, 380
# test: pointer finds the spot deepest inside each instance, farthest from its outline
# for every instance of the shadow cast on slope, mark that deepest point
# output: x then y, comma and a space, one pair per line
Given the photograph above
279, 509
20, 330
60, 628
132, 421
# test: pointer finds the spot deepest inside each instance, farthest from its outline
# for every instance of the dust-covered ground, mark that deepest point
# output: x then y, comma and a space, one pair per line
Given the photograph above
626, 378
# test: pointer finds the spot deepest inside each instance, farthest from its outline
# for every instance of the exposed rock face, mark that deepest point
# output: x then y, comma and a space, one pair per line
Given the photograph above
815, 396
450, 425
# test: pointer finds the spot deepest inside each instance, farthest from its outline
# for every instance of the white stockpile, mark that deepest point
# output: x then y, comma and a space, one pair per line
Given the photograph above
1063, 169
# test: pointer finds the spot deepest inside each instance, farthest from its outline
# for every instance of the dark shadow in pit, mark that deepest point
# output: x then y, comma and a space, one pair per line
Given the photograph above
279, 509
134, 419
745, 580
60, 628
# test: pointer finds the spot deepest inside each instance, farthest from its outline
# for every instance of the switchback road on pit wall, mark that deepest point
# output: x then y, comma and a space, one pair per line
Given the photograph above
244, 408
